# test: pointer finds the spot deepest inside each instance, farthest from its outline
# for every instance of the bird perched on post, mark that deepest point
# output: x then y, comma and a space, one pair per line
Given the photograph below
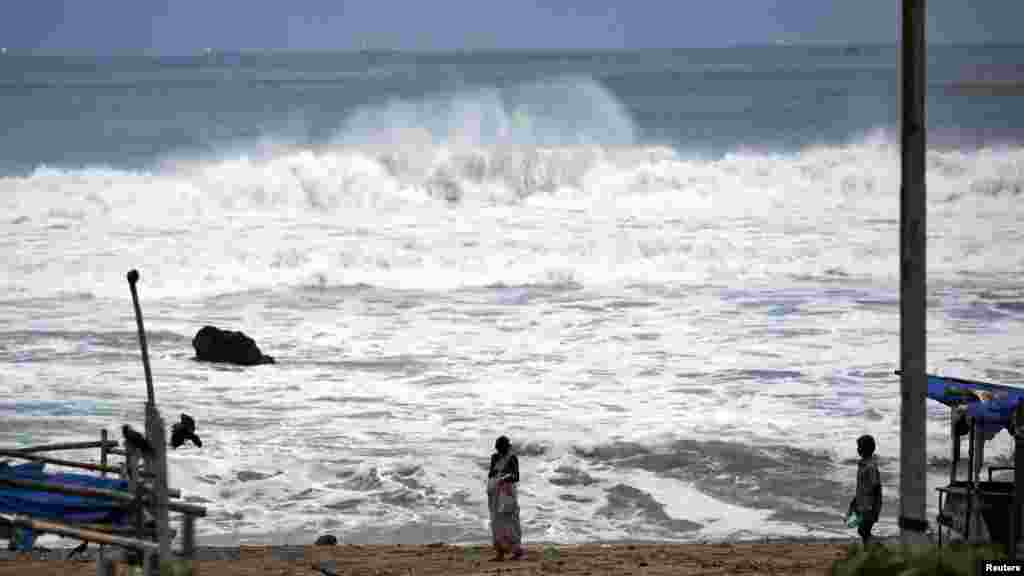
135, 440
184, 430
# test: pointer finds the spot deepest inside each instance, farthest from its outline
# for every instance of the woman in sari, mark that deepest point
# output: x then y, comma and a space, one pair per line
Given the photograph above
502, 501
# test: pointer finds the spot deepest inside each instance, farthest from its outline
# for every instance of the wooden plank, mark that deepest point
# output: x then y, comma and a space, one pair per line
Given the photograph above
63, 446
913, 261
89, 535
118, 495
83, 491
73, 464
123, 529
58, 461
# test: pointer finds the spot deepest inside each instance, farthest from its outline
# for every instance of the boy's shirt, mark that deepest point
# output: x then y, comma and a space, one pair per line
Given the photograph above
869, 488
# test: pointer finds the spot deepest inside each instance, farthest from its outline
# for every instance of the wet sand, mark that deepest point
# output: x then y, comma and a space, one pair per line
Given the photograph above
790, 558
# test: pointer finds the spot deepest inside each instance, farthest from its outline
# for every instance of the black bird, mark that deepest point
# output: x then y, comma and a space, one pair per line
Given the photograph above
134, 440
184, 430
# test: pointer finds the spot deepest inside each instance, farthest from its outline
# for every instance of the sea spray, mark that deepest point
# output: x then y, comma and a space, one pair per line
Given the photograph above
446, 218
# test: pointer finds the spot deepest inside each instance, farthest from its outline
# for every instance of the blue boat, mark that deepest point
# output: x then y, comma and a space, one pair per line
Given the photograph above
60, 507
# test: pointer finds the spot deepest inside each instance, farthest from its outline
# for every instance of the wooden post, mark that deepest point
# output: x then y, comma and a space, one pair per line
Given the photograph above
971, 479
955, 449
133, 279
1015, 512
101, 563
155, 433
979, 451
913, 308
103, 452
131, 473
970, 452
151, 417
1017, 430
188, 537
149, 566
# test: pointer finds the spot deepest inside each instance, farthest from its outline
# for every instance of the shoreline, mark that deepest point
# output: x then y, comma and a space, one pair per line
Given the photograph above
778, 557
228, 551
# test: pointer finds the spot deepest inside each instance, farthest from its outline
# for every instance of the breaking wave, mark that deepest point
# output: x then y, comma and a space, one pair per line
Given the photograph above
543, 184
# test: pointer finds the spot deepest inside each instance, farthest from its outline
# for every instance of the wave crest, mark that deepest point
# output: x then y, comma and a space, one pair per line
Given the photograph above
445, 208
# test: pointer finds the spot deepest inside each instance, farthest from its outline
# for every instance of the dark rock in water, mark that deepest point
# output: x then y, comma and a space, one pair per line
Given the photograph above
215, 345
327, 540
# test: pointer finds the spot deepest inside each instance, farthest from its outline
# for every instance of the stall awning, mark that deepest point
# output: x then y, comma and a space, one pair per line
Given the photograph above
990, 404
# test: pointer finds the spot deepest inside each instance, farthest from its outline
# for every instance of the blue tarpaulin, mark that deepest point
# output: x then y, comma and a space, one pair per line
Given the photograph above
990, 404
63, 507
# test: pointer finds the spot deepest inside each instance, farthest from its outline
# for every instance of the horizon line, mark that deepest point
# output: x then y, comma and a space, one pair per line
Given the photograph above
210, 51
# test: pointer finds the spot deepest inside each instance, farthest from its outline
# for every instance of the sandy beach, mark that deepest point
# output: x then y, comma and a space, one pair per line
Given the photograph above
790, 558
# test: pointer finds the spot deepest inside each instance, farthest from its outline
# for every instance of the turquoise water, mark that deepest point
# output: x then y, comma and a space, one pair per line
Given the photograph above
130, 111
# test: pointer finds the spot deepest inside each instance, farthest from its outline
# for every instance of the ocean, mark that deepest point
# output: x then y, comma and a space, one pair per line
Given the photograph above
671, 277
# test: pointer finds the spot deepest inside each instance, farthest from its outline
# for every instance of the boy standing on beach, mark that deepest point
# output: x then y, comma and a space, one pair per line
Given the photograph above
868, 501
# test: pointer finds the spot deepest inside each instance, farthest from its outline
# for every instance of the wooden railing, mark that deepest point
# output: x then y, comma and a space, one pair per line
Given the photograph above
139, 496
147, 489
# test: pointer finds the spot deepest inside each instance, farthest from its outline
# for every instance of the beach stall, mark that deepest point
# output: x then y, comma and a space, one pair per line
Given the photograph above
129, 511
980, 508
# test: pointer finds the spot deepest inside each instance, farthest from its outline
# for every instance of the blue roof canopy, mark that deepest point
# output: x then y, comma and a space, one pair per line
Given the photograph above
991, 405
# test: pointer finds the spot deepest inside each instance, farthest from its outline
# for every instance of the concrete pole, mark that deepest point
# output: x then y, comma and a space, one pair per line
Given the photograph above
913, 324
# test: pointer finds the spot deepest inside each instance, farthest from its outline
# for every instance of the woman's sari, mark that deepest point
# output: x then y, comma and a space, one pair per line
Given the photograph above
503, 503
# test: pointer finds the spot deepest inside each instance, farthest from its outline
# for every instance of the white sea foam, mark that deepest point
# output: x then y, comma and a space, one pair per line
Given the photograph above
629, 293
447, 217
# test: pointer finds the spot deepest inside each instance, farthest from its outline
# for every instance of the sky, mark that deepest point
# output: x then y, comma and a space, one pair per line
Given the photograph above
189, 26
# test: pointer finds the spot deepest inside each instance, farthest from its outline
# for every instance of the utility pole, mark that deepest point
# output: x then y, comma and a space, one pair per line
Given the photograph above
913, 319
